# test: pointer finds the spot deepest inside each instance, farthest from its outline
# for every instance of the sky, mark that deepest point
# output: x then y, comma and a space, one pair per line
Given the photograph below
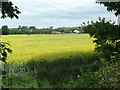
57, 13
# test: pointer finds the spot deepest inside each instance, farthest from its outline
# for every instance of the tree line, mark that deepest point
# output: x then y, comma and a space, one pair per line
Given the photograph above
33, 30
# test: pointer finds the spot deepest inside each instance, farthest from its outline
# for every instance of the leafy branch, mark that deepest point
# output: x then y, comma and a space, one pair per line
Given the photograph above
4, 49
106, 37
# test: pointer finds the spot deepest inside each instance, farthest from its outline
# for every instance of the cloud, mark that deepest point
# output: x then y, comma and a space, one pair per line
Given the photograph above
43, 13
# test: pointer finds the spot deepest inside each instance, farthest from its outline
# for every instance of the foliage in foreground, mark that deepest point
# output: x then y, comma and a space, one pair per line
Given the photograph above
4, 50
106, 37
7, 10
112, 6
59, 73
63, 73
106, 77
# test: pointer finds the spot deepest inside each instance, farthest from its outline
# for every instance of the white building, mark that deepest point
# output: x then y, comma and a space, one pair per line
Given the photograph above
55, 32
76, 31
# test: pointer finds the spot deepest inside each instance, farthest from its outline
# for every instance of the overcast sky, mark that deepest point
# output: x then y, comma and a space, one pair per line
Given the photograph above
57, 13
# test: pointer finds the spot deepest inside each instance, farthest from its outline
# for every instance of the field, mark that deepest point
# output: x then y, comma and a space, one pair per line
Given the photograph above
48, 47
49, 61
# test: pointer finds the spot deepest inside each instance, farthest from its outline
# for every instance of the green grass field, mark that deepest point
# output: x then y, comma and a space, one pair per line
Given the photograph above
48, 47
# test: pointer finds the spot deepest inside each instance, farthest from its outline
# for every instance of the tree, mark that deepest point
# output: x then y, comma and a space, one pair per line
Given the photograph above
32, 27
24, 29
106, 37
51, 27
8, 10
112, 6
106, 34
19, 27
5, 30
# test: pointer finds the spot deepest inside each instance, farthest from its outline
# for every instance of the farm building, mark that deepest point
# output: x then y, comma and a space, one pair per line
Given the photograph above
55, 32
76, 31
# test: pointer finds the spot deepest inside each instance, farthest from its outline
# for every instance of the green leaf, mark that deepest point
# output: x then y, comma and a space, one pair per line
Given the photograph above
9, 50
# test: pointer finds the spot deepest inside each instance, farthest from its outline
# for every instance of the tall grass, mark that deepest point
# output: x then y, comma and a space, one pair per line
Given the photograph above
48, 74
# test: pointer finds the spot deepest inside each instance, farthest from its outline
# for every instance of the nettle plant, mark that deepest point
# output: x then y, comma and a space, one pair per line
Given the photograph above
106, 38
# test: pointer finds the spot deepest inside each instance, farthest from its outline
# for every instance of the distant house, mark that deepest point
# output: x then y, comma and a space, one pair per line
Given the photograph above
31, 30
76, 31
19, 29
55, 32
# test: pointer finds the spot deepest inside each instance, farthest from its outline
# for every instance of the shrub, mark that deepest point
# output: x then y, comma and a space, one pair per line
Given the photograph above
106, 37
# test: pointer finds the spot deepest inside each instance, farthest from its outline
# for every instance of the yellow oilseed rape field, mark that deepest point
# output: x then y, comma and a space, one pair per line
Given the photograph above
49, 60
47, 46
